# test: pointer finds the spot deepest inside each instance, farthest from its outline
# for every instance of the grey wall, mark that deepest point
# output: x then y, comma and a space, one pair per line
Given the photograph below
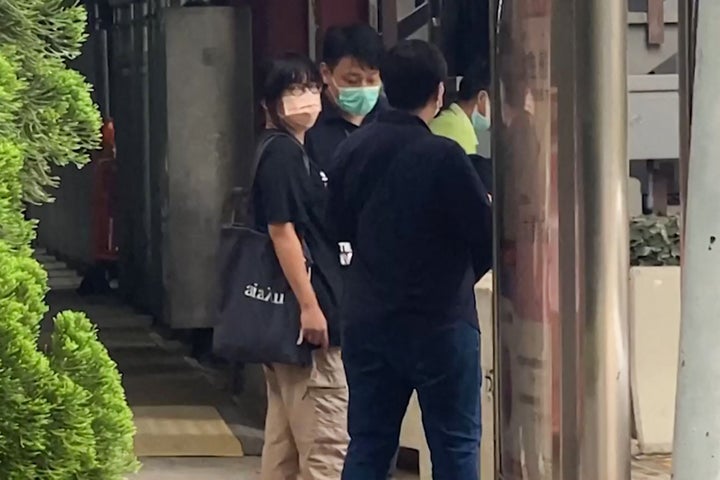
66, 225
209, 132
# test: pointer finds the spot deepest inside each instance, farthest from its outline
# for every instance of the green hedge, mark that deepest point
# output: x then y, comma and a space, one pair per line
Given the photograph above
654, 241
64, 414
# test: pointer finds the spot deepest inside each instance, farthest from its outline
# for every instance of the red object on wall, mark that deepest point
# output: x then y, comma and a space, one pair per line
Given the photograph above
278, 26
281, 26
104, 175
332, 13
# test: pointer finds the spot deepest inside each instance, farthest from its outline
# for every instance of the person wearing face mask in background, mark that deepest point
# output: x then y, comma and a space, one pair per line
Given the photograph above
305, 428
467, 121
352, 95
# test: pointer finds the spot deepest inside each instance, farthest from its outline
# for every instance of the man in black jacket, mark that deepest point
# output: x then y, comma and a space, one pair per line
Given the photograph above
419, 220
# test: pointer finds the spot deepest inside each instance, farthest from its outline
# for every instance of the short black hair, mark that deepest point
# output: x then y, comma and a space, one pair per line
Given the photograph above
359, 41
411, 73
475, 80
286, 70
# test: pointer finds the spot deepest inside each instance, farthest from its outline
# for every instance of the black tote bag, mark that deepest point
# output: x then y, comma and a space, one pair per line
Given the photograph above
259, 317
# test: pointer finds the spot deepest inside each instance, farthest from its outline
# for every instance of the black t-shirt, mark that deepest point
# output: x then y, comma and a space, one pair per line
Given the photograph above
419, 220
331, 129
285, 191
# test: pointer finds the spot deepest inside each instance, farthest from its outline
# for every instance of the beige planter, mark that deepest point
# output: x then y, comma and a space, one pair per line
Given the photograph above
412, 435
654, 342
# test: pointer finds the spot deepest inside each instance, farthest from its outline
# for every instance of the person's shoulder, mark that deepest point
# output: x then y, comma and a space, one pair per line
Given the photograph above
279, 152
279, 145
437, 145
443, 118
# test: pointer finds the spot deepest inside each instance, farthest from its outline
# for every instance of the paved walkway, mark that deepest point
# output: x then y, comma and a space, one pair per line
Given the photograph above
247, 469
158, 371
210, 469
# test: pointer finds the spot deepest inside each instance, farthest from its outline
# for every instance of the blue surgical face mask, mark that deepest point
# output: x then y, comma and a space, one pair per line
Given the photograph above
358, 101
480, 122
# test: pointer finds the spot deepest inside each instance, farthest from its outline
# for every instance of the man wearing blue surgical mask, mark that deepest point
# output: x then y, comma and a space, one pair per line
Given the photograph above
353, 89
467, 121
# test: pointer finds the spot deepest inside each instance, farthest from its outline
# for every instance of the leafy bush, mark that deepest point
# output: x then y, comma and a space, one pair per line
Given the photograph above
55, 112
654, 241
64, 417
77, 352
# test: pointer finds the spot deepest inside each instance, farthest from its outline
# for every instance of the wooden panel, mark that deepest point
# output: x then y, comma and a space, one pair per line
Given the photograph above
281, 26
340, 13
389, 27
656, 22
332, 13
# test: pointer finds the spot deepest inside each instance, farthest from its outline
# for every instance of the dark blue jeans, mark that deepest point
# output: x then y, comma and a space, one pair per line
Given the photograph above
384, 364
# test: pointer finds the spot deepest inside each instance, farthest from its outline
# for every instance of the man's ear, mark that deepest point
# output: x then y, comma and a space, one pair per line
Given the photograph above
440, 96
326, 73
483, 101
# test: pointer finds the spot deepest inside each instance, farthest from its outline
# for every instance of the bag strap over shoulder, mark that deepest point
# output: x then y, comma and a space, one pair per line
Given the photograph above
263, 145
240, 192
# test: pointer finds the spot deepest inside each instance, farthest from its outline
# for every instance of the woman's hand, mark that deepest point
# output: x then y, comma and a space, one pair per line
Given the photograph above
313, 326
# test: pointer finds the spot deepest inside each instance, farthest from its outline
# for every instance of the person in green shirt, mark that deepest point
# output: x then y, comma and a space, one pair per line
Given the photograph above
467, 121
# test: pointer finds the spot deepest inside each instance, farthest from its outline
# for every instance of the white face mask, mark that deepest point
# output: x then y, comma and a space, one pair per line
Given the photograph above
301, 111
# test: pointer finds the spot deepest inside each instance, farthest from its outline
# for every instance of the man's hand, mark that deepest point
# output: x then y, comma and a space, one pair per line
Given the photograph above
313, 327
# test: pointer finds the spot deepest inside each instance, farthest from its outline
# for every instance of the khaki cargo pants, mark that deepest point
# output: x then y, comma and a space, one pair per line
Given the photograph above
306, 426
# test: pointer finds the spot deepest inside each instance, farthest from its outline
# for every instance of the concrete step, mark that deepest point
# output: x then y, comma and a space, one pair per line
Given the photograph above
54, 265
64, 283
62, 273
121, 320
45, 258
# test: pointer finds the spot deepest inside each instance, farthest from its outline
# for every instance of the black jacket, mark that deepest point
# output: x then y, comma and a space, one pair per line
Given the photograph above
419, 221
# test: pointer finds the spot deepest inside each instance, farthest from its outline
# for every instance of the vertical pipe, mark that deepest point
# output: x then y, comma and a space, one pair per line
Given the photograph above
140, 27
564, 67
494, 20
685, 68
103, 69
697, 420
602, 135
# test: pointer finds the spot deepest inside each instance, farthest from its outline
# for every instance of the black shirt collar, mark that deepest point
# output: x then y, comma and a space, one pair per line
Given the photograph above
400, 117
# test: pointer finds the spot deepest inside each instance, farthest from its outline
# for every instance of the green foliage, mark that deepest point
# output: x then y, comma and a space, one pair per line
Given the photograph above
654, 241
55, 111
64, 417
77, 352
23, 284
46, 431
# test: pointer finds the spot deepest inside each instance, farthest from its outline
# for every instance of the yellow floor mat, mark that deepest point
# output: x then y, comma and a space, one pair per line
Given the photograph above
183, 431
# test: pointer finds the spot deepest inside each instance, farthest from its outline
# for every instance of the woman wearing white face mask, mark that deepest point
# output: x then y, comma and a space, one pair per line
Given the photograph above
305, 430
467, 121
